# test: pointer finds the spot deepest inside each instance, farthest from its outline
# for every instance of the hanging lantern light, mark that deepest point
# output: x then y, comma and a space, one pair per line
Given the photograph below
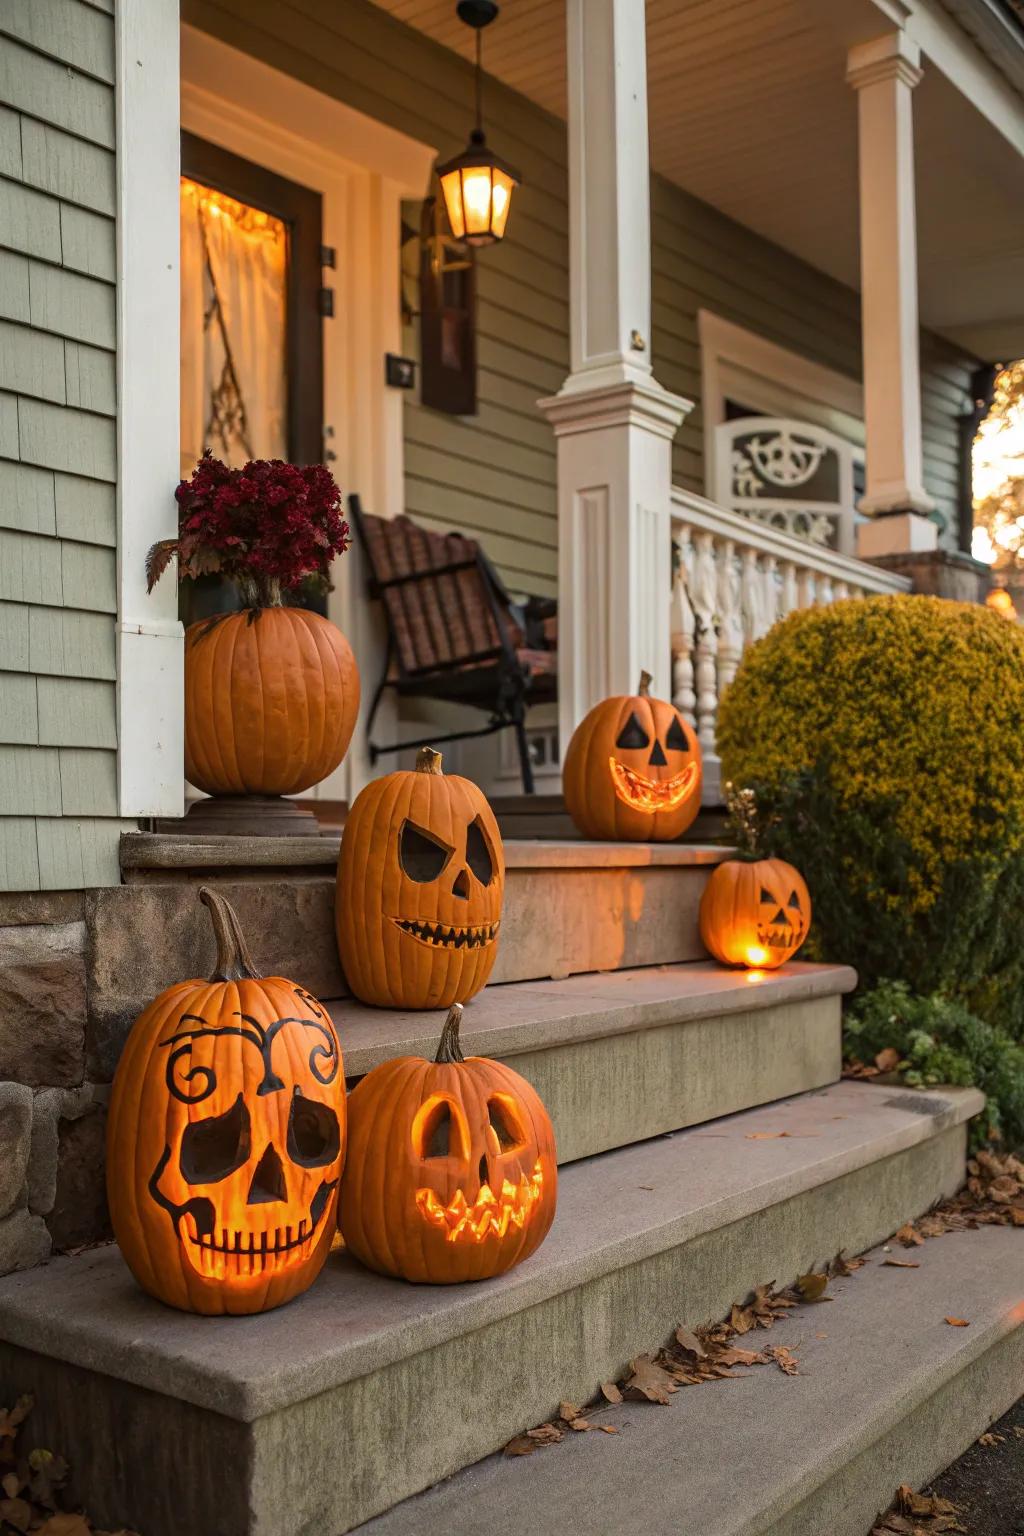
477, 185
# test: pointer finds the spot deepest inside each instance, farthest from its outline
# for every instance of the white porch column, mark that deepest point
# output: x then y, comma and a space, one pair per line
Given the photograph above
884, 72
613, 421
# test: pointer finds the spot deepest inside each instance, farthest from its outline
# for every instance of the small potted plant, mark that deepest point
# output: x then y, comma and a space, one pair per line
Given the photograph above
272, 691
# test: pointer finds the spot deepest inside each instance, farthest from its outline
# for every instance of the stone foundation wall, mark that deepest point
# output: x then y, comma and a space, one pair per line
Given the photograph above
52, 1116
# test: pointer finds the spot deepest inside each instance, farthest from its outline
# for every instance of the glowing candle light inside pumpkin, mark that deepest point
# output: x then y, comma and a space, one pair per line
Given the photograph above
756, 954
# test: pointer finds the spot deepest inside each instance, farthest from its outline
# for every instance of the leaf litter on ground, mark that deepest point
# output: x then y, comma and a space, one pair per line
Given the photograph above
33, 1485
917, 1514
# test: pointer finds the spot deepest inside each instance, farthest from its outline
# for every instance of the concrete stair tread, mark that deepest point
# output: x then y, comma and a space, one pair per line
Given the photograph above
614, 1211
743, 1458
522, 1016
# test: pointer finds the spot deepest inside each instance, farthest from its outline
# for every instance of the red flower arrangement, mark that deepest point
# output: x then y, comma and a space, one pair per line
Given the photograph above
266, 526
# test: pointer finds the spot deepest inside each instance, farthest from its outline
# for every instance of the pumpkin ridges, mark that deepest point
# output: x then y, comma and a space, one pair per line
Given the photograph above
730, 904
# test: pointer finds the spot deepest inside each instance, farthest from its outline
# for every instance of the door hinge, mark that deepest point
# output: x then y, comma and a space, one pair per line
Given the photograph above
328, 256
327, 302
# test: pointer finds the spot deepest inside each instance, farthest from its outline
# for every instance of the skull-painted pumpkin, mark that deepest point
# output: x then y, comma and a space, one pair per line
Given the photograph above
420, 884
755, 912
226, 1136
633, 770
451, 1172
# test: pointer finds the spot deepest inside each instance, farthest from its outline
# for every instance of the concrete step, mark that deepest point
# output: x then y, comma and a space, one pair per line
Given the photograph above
622, 1056
318, 1416
570, 907
888, 1393
545, 816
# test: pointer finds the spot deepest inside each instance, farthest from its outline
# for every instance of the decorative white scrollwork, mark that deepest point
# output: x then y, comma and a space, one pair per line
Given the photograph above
785, 459
768, 468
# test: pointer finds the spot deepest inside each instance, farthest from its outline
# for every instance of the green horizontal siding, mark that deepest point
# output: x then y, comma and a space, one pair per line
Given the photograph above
494, 474
58, 459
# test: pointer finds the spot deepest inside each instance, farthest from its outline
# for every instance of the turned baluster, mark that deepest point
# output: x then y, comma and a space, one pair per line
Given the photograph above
684, 626
703, 595
730, 616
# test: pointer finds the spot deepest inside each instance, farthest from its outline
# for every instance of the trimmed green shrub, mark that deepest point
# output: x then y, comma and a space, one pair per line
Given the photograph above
884, 738
940, 1042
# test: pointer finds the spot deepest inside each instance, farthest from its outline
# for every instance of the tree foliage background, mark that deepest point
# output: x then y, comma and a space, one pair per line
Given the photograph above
999, 477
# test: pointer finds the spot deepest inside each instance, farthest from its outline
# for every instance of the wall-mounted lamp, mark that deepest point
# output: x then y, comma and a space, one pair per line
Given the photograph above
477, 185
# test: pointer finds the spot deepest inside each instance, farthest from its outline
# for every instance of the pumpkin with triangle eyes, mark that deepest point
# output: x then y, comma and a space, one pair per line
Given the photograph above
633, 770
451, 1172
420, 884
755, 912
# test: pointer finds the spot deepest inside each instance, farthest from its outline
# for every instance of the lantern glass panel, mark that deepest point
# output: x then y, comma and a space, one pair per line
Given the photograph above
501, 202
476, 198
451, 186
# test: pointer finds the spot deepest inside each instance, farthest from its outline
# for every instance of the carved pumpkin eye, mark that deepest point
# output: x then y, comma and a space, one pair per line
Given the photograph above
675, 737
794, 902
478, 853
437, 1131
505, 1124
633, 734
766, 895
314, 1136
421, 855
214, 1147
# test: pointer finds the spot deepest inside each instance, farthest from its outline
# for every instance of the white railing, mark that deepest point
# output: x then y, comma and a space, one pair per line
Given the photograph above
733, 578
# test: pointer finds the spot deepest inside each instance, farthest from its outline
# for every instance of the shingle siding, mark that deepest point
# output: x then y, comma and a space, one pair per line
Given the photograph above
58, 466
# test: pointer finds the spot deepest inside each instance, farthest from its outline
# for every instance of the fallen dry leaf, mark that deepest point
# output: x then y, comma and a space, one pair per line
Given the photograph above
887, 1060
610, 1392
607, 1429
783, 1359
812, 1287
648, 1379
957, 1322
909, 1236
991, 1438
690, 1342
522, 1445
900, 1264
568, 1412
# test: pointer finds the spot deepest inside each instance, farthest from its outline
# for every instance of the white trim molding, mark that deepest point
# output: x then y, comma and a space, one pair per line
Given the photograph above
884, 73
150, 649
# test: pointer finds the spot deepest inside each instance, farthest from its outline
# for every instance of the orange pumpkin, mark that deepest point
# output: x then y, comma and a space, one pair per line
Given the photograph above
420, 885
451, 1173
633, 770
755, 912
271, 698
226, 1136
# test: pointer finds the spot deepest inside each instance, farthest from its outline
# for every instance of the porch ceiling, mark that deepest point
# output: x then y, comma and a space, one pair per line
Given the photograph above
749, 111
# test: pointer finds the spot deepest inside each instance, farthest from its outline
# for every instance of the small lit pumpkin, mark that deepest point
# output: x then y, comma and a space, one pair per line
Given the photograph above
451, 1172
755, 912
633, 770
420, 885
226, 1136
271, 698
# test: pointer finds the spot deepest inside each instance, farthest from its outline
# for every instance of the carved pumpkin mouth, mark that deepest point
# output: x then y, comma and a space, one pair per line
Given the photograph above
217, 1254
490, 1215
448, 935
643, 794
780, 938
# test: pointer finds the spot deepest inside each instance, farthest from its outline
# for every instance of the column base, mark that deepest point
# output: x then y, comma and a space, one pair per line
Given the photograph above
941, 573
901, 532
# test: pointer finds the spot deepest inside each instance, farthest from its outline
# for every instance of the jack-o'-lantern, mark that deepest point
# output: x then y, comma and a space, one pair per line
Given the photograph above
226, 1136
755, 912
420, 884
633, 769
451, 1172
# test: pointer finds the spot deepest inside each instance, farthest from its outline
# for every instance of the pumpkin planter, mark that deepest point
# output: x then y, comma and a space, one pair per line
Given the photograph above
755, 912
226, 1136
633, 770
271, 698
420, 884
451, 1172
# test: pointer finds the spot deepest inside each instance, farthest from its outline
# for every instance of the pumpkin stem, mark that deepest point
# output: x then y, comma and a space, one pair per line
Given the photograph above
644, 690
234, 962
428, 760
449, 1048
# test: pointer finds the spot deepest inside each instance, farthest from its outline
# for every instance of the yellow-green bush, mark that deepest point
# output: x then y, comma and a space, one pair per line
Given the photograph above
885, 738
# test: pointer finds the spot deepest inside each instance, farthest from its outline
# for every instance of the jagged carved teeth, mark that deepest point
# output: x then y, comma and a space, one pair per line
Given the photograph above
780, 938
255, 1244
448, 935
489, 1214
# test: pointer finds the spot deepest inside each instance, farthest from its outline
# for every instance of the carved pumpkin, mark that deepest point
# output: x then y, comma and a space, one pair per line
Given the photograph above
633, 770
271, 698
451, 1173
420, 884
755, 912
226, 1136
